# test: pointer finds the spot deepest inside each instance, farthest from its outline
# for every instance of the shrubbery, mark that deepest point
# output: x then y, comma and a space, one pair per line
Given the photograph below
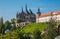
30, 31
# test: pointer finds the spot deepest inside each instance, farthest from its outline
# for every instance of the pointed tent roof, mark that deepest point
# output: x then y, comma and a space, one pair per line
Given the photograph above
22, 10
30, 11
26, 9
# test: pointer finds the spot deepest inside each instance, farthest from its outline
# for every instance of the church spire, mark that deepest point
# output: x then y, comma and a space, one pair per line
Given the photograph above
22, 10
26, 7
17, 15
30, 11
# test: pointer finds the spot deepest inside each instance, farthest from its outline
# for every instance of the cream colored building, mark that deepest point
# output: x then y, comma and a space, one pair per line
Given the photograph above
46, 17
21, 24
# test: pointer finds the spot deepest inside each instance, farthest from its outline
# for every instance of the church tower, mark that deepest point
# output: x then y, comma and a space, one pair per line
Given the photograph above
38, 13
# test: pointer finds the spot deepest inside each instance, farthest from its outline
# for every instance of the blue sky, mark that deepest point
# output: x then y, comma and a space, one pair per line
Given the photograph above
9, 8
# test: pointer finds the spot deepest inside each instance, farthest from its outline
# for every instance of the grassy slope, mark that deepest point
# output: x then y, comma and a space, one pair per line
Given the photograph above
32, 27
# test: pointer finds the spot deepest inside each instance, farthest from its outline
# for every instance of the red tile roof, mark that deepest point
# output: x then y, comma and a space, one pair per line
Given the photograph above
49, 14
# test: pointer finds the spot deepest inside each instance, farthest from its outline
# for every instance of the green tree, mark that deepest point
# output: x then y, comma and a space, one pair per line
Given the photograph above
13, 25
37, 34
19, 20
28, 36
51, 31
13, 21
1, 25
13, 28
7, 25
20, 35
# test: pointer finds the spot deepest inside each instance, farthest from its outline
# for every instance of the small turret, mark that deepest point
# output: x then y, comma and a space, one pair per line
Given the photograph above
39, 12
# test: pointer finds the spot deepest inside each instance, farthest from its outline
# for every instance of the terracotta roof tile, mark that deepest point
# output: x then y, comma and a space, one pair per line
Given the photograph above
49, 14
